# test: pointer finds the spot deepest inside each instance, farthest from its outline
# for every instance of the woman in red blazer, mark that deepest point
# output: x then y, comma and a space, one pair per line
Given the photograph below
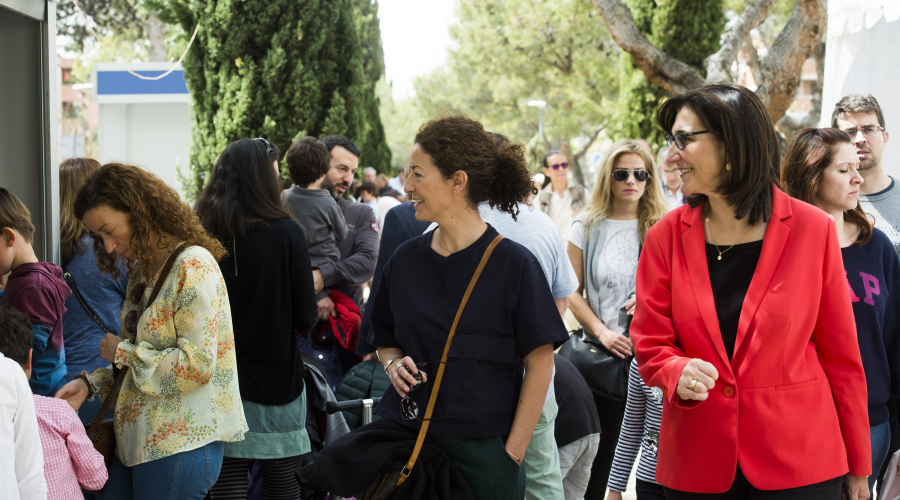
744, 321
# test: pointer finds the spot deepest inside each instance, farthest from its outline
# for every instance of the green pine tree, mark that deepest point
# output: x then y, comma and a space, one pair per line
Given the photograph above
269, 68
375, 150
688, 30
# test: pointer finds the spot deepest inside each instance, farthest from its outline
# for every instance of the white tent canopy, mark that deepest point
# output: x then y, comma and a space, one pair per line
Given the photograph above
862, 56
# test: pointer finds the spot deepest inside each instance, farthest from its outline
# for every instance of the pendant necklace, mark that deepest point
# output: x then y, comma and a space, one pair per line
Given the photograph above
716, 244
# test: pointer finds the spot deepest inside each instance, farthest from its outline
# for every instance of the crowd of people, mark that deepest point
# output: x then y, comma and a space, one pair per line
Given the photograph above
749, 300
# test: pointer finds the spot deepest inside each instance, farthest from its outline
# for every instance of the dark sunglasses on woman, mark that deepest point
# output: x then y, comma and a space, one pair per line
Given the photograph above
559, 166
622, 175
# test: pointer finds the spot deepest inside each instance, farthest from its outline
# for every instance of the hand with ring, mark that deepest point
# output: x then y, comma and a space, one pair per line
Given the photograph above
402, 380
696, 380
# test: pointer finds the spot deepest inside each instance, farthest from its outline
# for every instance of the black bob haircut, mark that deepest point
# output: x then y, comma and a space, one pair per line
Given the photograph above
338, 140
16, 337
738, 120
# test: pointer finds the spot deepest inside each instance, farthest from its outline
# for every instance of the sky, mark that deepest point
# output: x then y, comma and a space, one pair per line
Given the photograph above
415, 36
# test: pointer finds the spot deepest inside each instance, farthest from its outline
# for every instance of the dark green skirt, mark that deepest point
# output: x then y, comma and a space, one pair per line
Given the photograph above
490, 472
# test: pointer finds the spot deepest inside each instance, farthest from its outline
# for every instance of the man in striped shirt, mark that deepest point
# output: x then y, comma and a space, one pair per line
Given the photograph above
70, 460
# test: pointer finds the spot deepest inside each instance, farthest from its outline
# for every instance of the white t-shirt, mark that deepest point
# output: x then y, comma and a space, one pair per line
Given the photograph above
615, 267
384, 204
21, 458
561, 212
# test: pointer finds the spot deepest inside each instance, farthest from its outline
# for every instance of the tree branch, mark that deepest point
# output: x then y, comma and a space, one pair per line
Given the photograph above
782, 66
790, 126
718, 65
659, 68
752, 59
591, 138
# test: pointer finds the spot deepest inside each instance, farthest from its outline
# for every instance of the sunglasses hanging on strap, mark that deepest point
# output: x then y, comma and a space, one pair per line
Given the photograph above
386, 484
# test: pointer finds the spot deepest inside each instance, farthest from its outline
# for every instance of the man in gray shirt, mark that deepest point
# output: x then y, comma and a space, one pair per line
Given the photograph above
860, 116
359, 250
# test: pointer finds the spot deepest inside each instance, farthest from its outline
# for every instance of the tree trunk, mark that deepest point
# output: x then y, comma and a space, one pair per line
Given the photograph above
780, 68
563, 144
156, 32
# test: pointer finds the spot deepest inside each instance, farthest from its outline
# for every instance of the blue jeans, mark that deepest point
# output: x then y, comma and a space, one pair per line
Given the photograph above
880, 435
188, 475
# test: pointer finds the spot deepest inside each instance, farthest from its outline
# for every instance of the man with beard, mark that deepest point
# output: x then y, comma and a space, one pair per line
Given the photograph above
359, 250
860, 116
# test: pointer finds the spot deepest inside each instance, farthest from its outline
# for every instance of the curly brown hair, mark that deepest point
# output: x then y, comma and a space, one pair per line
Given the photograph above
152, 207
497, 171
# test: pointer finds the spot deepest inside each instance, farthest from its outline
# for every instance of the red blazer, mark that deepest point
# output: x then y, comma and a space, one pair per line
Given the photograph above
791, 406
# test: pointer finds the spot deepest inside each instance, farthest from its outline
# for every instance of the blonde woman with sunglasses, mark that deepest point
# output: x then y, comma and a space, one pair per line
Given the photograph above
604, 246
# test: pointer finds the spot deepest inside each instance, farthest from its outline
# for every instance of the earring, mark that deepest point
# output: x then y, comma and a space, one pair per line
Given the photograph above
728, 166
454, 191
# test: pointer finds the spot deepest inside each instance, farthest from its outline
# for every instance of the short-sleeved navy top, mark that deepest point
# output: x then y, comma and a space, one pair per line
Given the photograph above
511, 312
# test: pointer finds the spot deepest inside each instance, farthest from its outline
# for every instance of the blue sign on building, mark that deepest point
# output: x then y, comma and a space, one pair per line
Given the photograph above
116, 85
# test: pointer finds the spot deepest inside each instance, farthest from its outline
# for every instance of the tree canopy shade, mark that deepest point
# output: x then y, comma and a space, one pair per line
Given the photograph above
688, 30
513, 51
270, 68
779, 70
375, 150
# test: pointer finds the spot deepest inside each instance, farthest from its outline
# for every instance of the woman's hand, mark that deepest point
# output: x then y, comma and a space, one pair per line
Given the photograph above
630, 306
855, 488
75, 392
617, 343
402, 379
613, 495
108, 347
696, 380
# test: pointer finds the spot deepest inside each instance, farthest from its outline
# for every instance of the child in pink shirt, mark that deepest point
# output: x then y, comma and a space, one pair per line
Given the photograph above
70, 460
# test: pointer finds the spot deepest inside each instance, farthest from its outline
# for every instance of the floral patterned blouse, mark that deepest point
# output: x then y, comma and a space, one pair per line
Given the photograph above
181, 389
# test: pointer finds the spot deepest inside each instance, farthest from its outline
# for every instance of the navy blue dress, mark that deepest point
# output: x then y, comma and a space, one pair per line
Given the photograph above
511, 312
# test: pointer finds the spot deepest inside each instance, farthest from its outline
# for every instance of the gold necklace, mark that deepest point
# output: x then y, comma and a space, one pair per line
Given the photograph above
716, 244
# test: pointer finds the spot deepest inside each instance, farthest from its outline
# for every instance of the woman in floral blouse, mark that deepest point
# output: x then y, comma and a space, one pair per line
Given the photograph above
179, 399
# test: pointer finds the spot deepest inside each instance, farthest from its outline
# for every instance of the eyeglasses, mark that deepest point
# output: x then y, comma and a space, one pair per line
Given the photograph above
622, 175
559, 166
409, 409
268, 144
867, 131
678, 139
131, 319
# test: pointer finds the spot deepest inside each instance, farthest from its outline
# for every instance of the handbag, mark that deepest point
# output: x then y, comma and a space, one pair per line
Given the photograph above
387, 483
101, 431
605, 372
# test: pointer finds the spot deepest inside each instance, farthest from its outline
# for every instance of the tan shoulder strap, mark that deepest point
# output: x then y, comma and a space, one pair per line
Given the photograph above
440, 374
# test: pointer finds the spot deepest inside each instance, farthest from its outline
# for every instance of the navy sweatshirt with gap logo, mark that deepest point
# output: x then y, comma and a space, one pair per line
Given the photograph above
873, 274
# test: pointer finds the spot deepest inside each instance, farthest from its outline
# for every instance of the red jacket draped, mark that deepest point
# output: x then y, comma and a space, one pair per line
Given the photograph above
791, 405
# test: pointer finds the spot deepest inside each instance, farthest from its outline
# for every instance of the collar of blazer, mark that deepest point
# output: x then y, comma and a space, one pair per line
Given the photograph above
694, 243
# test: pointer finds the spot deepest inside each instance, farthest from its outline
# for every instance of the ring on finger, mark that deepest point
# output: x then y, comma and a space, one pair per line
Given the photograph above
693, 383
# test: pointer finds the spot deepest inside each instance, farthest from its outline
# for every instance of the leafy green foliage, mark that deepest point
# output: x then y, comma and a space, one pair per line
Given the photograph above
688, 30
108, 17
513, 51
375, 150
269, 68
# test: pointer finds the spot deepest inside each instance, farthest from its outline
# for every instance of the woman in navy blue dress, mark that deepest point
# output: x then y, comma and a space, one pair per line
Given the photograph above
501, 357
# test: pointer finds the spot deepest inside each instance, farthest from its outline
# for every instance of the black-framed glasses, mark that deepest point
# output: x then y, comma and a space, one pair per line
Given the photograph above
621, 175
678, 139
867, 131
559, 166
267, 143
409, 409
